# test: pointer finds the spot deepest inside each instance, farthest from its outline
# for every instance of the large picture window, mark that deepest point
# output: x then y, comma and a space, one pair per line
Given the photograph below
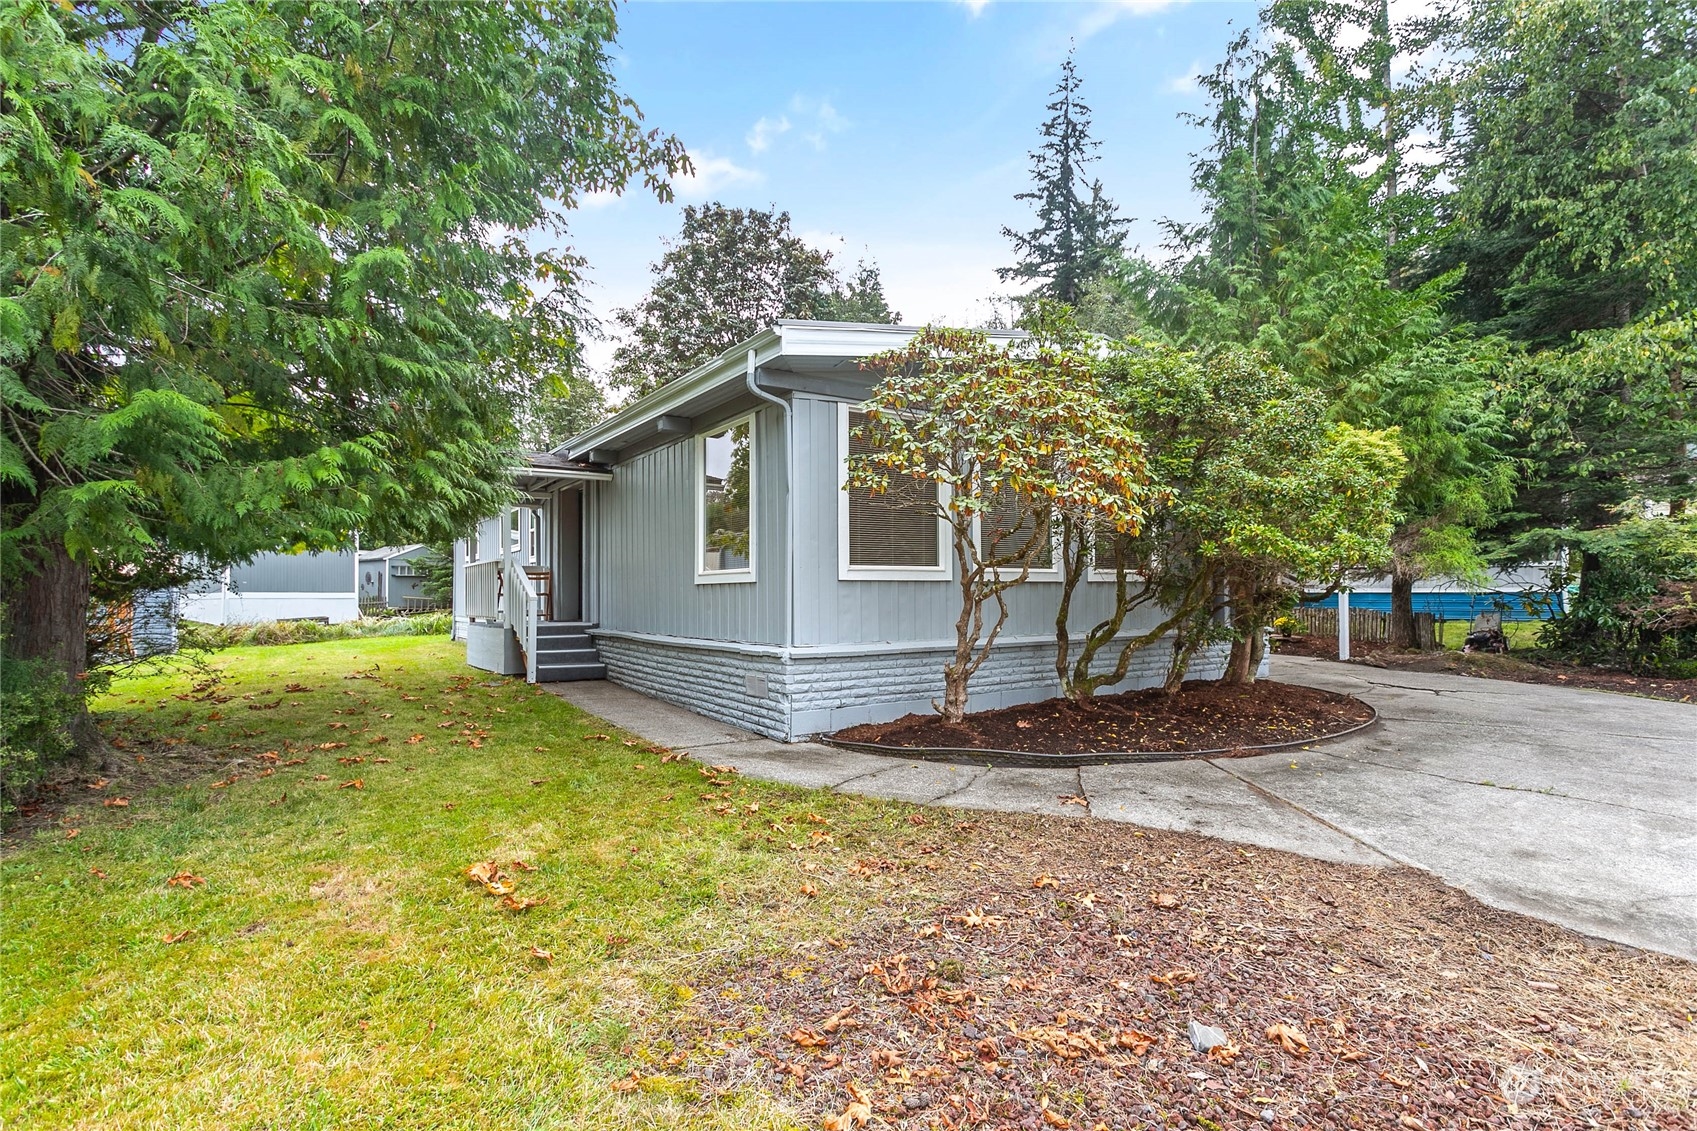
725, 504
893, 536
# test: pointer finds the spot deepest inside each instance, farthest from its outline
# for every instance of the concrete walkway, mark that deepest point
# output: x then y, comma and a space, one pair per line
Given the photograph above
1578, 807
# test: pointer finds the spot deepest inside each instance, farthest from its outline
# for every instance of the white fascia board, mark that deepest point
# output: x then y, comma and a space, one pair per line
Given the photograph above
731, 365
786, 338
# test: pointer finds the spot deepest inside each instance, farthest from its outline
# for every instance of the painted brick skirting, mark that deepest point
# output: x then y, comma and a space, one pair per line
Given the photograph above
793, 698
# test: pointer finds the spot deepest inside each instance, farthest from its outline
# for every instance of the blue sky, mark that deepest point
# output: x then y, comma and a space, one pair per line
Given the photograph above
900, 131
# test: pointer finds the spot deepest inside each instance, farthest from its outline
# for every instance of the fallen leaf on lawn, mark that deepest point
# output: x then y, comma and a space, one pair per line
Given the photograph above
523, 867
1225, 1053
544, 955
350, 761
97, 873
628, 1084
295, 762
483, 872
72, 834
449, 806
1351, 1055
519, 902
414, 739
809, 890
808, 1039
930, 931
1165, 900
887, 1058
1291, 1039
101, 783
1412, 1122
540, 781
1088, 899
1135, 1040
1173, 977
381, 761
724, 769
1054, 1120
178, 937
841, 1020
856, 1114
117, 803
977, 918
1074, 799
184, 880
1045, 880
597, 737
320, 777
356, 783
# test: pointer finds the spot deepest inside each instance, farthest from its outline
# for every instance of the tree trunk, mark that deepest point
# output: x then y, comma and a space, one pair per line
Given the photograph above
1403, 637
47, 619
1240, 665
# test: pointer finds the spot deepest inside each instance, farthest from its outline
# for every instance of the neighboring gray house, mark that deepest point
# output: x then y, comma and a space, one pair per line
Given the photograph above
275, 586
389, 577
699, 546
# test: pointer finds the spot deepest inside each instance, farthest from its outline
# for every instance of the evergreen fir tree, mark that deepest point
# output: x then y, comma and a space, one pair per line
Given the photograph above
1079, 233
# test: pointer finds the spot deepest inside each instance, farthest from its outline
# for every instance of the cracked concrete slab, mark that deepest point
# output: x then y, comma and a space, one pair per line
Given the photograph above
1011, 789
921, 782
1197, 797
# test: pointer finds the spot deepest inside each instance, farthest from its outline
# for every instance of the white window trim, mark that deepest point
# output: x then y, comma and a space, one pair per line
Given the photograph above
1094, 573
942, 571
746, 575
1051, 573
533, 535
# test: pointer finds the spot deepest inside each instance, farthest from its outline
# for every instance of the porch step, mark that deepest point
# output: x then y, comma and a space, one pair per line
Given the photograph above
565, 651
565, 673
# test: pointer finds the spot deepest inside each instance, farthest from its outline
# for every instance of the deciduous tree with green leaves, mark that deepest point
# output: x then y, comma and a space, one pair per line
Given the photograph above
730, 273
261, 285
961, 425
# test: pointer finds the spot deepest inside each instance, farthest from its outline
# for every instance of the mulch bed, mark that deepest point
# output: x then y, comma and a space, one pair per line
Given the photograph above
1511, 667
1041, 974
1204, 716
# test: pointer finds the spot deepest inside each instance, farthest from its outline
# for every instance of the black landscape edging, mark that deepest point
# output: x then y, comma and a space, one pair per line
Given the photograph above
1029, 759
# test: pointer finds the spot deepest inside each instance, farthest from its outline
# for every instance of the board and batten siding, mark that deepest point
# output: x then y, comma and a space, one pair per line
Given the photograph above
328, 571
831, 612
642, 537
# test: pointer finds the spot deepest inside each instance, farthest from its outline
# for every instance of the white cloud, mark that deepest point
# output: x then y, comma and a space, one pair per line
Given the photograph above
713, 174
1105, 15
976, 7
822, 116
1187, 82
820, 240
590, 201
763, 131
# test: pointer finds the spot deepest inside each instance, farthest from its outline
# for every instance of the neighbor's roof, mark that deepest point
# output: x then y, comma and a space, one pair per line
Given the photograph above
542, 470
793, 345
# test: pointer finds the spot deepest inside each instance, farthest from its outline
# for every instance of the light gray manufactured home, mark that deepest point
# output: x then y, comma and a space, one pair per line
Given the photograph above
699, 546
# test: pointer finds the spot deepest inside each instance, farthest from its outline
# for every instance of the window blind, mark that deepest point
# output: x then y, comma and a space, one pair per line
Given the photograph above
897, 528
1004, 530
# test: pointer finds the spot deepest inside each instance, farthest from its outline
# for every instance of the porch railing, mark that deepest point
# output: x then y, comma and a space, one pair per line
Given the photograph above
523, 613
483, 590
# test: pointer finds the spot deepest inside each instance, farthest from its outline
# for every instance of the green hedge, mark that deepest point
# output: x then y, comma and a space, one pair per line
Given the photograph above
196, 635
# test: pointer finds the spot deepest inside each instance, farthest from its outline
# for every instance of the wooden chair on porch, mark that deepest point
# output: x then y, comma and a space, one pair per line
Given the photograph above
543, 579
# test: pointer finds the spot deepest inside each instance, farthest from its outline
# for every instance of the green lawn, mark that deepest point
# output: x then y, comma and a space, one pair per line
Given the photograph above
1522, 635
340, 970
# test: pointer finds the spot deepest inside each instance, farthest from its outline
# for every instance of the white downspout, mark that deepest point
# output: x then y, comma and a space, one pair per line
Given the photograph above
788, 639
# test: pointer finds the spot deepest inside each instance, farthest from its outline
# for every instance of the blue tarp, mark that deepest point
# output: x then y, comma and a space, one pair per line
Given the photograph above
1455, 605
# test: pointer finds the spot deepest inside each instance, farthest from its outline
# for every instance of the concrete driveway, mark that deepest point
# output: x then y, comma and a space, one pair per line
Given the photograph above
1578, 807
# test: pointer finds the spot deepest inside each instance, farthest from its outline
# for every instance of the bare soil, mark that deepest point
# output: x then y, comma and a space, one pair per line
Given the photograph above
1520, 669
1043, 974
1205, 716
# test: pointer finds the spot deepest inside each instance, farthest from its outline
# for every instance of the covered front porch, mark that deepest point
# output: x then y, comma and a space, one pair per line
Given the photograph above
519, 584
